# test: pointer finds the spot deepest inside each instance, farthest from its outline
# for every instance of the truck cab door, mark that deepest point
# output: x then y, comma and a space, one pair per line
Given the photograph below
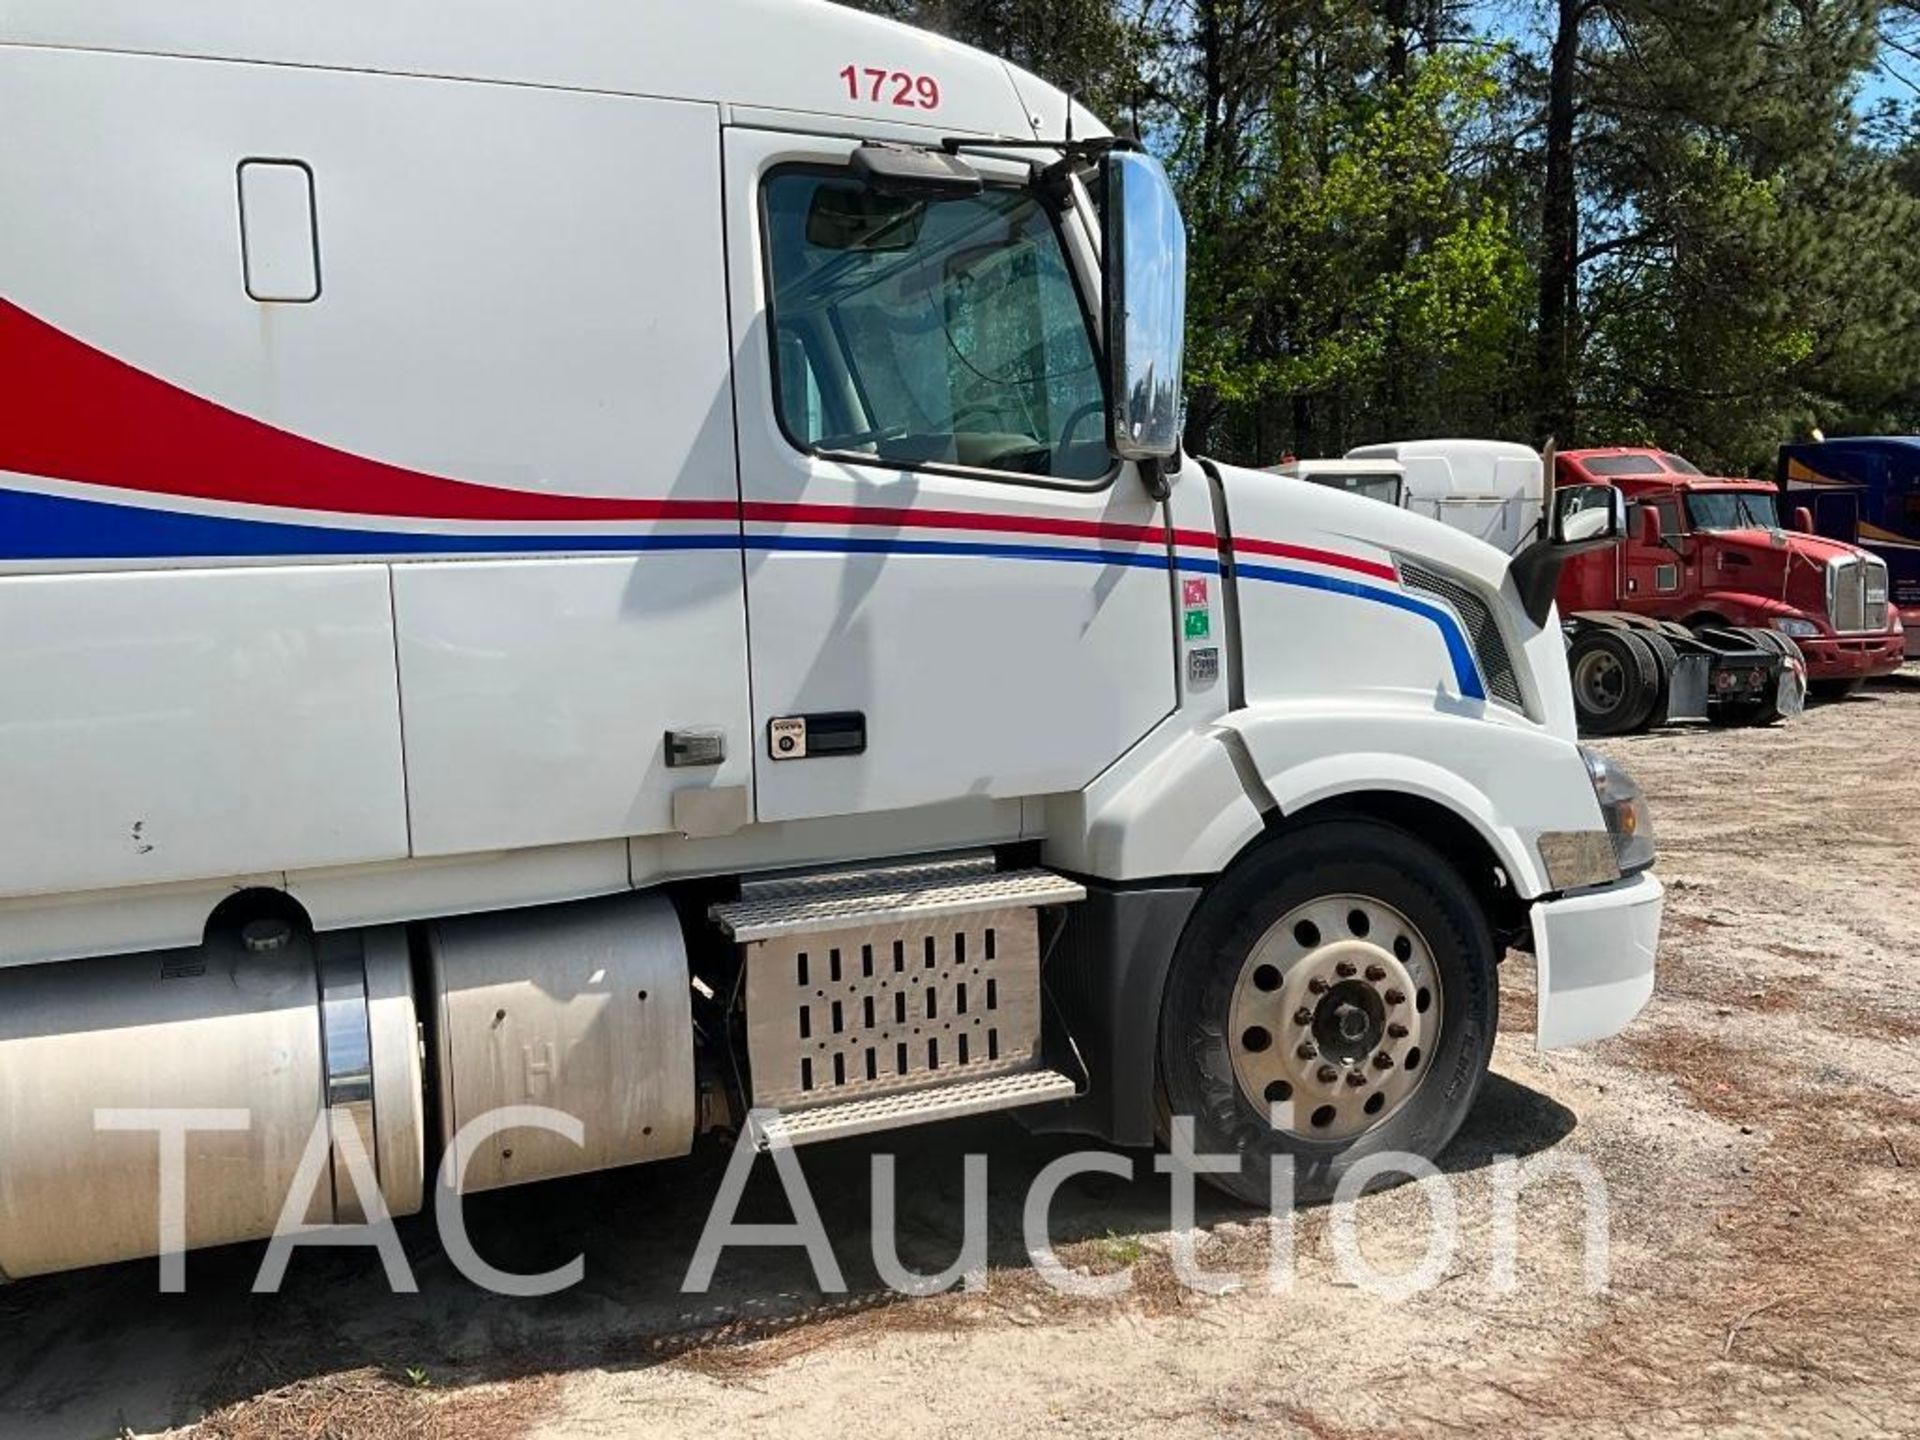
952, 591
1651, 574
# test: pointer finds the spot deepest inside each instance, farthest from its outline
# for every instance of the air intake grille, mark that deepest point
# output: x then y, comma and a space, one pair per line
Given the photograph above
1857, 596
1489, 645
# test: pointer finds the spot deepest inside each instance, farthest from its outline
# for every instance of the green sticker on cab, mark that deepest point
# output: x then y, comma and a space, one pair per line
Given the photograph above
1199, 624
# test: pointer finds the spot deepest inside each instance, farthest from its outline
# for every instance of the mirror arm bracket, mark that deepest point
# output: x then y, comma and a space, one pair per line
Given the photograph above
1155, 474
1536, 572
1536, 575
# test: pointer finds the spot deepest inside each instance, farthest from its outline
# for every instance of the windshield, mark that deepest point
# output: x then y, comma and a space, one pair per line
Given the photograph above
1733, 510
931, 331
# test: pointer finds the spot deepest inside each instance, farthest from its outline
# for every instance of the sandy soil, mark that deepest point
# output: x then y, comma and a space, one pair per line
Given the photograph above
1758, 1132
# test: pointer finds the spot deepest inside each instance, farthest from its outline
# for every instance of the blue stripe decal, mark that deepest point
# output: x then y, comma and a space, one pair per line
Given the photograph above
1466, 672
54, 527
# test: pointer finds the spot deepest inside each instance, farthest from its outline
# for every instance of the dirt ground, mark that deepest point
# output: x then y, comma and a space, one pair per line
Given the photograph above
1758, 1133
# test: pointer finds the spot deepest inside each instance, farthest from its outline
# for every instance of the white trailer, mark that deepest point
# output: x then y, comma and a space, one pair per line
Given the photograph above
636, 559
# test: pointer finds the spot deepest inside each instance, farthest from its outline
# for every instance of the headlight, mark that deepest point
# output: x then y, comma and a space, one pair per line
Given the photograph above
1629, 821
1799, 629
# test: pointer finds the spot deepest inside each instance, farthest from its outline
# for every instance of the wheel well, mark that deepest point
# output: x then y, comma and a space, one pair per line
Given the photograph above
1462, 846
260, 903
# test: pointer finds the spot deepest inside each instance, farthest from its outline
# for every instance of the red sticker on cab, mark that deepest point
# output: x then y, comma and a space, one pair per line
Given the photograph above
1196, 592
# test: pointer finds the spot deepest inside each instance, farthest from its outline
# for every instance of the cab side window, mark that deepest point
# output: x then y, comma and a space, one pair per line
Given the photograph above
931, 333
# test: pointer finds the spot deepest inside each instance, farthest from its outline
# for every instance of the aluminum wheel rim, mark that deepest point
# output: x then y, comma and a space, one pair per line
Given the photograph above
1601, 680
1335, 1018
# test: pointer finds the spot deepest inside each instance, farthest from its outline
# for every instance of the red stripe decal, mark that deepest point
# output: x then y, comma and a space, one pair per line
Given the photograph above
770, 512
1377, 569
71, 412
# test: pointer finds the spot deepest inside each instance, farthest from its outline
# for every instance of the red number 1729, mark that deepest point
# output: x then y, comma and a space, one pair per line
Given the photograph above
879, 86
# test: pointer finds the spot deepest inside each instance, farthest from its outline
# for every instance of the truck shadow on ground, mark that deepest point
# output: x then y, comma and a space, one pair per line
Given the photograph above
94, 1352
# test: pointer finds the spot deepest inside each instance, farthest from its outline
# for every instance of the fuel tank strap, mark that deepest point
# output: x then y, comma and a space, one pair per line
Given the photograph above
346, 1034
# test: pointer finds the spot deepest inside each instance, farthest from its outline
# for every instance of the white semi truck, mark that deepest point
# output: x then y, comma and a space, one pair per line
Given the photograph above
636, 559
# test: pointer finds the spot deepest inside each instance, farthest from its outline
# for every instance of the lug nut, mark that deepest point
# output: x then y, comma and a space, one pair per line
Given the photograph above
1356, 1080
1383, 1062
1398, 1032
1317, 986
1346, 969
1306, 1052
1396, 997
1303, 1016
1376, 973
1328, 1074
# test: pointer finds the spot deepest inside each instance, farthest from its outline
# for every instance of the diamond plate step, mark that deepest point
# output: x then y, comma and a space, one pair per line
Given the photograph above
901, 895
918, 1107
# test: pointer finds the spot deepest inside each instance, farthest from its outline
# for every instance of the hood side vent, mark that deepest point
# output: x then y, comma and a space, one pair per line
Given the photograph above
1489, 645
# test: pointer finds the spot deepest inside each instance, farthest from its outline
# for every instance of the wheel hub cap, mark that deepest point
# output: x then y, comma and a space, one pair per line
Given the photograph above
1350, 1022
1601, 681
1334, 1017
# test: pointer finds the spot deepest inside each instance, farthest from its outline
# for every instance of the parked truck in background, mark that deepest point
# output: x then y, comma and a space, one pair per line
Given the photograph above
1863, 491
1634, 665
636, 559
1713, 552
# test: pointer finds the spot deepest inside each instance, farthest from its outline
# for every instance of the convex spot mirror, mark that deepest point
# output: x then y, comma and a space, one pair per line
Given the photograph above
1652, 529
845, 218
886, 210
1145, 280
1588, 515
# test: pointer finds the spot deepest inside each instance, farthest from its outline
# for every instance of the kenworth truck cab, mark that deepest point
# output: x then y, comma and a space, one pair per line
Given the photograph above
636, 560
1706, 552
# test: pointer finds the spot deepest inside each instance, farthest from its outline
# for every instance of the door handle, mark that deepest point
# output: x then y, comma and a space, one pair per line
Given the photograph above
808, 737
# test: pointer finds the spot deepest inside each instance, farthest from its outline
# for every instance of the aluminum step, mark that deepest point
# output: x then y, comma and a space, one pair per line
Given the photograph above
916, 1107
897, 895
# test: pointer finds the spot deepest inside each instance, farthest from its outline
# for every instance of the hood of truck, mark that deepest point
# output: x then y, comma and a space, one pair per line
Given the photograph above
1783, 567
1782, 543
1343, 595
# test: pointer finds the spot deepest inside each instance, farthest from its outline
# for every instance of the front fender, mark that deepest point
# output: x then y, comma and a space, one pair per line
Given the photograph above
1511, 782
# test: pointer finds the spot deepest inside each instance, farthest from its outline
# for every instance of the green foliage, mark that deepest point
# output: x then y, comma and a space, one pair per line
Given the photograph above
1364, 191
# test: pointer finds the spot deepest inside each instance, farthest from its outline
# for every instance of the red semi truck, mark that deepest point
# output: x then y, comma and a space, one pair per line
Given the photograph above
1711, 553
1708, 611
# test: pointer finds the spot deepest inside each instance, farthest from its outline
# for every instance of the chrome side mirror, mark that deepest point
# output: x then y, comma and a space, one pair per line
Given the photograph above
1585, 517
1145, 277
1588, 516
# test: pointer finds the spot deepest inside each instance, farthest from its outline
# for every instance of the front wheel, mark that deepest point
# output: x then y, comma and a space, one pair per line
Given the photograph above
1334, 998
1828, 691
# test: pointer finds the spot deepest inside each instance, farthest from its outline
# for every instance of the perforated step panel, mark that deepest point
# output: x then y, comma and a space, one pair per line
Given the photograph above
883, 983
920, 1107
812, 904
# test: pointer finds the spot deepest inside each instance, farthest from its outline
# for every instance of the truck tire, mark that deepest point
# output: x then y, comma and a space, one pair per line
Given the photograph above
1766, 638
1616, 681
1357, 942
1666, 660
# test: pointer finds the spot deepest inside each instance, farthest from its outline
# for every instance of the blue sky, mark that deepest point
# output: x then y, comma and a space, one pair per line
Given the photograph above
1518, 18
